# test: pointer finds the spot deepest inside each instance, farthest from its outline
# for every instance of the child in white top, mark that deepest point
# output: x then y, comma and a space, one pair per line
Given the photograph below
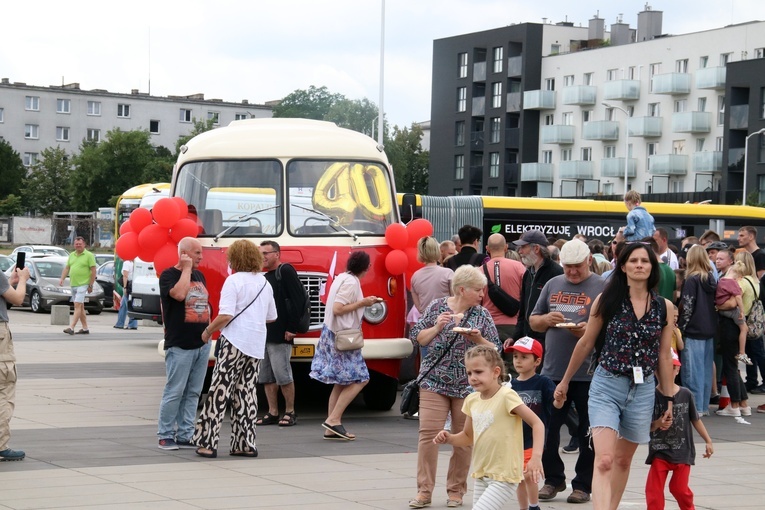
495, 415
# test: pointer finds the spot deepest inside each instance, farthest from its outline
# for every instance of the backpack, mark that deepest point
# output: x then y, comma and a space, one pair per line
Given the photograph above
506, 303
755, 321
301, 310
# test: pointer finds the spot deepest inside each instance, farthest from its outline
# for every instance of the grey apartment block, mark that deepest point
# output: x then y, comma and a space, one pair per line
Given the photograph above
33, 118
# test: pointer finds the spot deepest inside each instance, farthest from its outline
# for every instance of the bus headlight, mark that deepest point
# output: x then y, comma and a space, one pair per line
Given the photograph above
376, 313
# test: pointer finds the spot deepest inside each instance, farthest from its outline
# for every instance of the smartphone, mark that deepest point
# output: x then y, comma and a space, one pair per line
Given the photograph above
21, 258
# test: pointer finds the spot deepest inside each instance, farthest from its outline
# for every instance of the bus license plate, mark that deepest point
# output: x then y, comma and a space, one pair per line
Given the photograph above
302, 351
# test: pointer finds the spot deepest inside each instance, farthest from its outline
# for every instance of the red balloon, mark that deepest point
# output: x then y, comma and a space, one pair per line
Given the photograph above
183, 207
146, 255
418, 229
396, 236
127, 246
151, 239
125, 228
396, 262
166, 256
183, 228
139, 219
166, 212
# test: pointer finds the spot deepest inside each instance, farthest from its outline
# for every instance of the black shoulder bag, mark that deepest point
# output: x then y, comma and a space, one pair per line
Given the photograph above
506, 303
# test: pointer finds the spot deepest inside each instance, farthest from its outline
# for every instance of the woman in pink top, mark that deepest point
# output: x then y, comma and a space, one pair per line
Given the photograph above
432, 281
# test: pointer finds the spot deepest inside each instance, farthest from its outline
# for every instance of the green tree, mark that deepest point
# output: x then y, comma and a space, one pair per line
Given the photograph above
103, 170
314, 103
200, 126
160, 168
46, 189
409, 161
356, 114
12, 170
11, 206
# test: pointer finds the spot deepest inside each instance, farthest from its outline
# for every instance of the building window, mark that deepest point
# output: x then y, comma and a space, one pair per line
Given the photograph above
154, 127
496, 94
32, 103
497, 53
547, 157
549, 120
700, 144
588, 78
568, 118
2, 114
459, 133
31, 131
725, 58
62, 134
94, 107
185, 115
586, 153
651, 149
678, 186
719, 143
550, 84
703, 62
761, 187
761, 149
609, 152
654, 109
93, 135
568, 80
608, 188
762, 105
586, 116
123, 111
702, 104
759, 53
653, 70
565, 154
493, 191
720, 110
240, 116
612, 74
554, 49
493, 165
631, 72
630, 111
680, 105
63, 105
29, 159
609, 113
214, 116
458, 192
494, 129
459, 167
681, 66
462, 63
461, 99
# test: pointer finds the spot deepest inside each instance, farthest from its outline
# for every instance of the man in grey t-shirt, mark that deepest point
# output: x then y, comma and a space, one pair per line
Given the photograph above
562, 312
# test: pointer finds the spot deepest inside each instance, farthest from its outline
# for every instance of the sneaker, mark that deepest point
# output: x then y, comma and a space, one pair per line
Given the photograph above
570, 449
761, 408
10, 455
69, 331
714, 400
168, 444
745, 411
743, 358
759, 390
549, 492
578, 496
728, 411
185, 444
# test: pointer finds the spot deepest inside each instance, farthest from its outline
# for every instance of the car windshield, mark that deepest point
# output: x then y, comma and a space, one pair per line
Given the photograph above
50, 269
6, 263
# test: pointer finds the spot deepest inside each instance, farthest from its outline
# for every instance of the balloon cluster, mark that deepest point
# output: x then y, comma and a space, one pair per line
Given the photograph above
153, 236
403, 239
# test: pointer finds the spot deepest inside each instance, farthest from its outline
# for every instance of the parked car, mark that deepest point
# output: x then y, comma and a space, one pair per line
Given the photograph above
43, 290
40, 249
103, 258
105, 278
6, 263
144, 302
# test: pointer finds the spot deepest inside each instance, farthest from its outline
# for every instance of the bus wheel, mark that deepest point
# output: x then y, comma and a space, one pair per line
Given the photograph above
380, 393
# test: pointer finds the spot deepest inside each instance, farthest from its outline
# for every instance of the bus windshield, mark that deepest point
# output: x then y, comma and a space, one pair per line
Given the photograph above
246, 198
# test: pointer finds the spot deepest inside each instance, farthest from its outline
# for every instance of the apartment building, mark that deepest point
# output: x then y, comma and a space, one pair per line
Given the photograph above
589, 105
33, 118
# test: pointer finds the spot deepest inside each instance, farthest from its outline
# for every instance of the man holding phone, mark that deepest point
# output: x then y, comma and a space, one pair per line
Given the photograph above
81, 269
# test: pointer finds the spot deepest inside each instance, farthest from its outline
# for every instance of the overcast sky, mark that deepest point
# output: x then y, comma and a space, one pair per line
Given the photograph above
263, 50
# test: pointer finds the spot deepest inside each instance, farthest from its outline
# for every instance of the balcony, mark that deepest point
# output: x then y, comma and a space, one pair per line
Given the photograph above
668, 164
513, 138
644, 126
476, 140
739, 116
621, 90
614, 167
511, 173
579, 95
576, 169
691, 122
539, 100
707, 161
513, 102
532, 172
710, 78
479, 71
606, 130
671, 83
558, 134
479, 107
736, 159
514, 66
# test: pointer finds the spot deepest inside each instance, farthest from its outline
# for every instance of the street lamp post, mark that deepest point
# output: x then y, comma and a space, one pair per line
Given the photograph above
746, 153
626, 144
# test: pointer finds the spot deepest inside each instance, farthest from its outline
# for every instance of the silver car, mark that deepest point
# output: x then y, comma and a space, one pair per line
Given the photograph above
44, 291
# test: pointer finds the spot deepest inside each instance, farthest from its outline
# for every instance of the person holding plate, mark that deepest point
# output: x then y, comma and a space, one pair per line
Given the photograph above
562, 312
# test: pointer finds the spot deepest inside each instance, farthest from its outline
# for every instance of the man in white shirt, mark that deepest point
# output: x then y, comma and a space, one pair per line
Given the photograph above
667, 255
127, 280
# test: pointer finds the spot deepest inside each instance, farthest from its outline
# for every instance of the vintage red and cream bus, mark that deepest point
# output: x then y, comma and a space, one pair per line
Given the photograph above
321, 192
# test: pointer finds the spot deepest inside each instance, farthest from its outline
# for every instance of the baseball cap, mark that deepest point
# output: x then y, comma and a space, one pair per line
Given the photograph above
574, 252
717, 245
531, 237
527, 345
676, 359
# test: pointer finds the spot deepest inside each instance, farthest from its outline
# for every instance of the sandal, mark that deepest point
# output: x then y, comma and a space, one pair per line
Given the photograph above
339, 431
267, 419
208, 453
288, 420
245, 453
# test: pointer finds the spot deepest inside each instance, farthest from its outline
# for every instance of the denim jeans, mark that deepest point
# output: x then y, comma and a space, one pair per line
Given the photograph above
185, 369
122, 314
696, 371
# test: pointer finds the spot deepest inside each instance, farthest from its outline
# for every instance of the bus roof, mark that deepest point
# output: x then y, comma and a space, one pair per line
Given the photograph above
615, 207
281, 138
142, 189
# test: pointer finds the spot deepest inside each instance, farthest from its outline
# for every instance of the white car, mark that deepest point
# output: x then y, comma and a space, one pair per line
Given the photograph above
39, 250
